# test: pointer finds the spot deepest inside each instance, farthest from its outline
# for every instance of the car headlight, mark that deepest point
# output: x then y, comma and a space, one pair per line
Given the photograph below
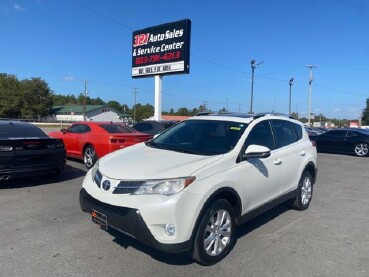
164, 187
94, 169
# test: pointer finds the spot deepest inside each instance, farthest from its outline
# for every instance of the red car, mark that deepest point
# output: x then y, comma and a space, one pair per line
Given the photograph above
90, 141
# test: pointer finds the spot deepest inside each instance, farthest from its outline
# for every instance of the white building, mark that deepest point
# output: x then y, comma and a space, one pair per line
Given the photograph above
97, 113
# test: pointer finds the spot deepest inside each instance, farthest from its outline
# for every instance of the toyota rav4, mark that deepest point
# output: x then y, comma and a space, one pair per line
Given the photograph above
190, 187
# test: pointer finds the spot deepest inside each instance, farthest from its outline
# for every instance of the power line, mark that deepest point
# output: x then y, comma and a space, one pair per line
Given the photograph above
100, 14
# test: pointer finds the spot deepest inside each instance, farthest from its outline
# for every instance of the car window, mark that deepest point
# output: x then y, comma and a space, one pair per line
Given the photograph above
202, 137
298, 130
336, 133
117, 128
261, 134
143, 127
284, 133
79, 129
20, 130
351, 134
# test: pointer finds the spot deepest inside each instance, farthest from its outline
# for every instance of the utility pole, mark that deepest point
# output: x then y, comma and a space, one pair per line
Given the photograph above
239, 108
253, 66
227, 104
84, 102
134, 107
289, 103
310, 82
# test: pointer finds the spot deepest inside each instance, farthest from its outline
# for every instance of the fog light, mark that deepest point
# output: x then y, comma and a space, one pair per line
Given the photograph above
169, 229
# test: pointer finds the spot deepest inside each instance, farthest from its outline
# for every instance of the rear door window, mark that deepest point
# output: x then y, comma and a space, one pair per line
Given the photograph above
284, 133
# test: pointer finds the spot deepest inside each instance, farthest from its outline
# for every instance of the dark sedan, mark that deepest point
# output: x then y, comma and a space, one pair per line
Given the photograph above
153, 127
25, 150
352, 141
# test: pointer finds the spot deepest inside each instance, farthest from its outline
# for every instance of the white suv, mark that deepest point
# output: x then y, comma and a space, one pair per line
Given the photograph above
187, 189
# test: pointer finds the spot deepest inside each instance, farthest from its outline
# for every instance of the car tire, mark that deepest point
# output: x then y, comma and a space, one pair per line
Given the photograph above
361, 149
89, 156
304, 192
215, 235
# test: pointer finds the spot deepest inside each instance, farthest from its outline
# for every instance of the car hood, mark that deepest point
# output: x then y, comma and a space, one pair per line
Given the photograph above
143, 162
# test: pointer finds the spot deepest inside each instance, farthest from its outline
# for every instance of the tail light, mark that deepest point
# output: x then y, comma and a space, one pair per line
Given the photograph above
313, 143
114, 140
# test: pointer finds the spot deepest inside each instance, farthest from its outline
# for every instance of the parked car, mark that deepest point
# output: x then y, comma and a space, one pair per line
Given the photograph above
153, 127
187, 189
26, 151
313, 131
89, 141
351, 140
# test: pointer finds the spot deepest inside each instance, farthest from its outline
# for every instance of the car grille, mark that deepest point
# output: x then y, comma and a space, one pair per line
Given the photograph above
107, 207
127, 187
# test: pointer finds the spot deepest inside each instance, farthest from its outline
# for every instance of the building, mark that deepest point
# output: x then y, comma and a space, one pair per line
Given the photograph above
72, 113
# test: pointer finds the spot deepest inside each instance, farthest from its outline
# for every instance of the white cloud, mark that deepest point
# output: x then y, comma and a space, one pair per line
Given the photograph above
19, 8
69, 78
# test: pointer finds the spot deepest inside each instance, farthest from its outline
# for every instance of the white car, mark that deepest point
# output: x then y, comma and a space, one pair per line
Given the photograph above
187, 189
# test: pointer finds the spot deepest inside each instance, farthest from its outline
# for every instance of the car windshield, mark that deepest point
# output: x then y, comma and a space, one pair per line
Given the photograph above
15, 130
117, 128
201, 137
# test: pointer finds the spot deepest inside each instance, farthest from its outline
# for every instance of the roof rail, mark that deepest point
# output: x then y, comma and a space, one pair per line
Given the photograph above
258, 115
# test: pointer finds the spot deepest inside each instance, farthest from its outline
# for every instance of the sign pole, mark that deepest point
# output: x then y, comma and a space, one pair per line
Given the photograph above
158, 94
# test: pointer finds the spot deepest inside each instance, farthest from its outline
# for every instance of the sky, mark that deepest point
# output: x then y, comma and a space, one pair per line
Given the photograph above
68, 42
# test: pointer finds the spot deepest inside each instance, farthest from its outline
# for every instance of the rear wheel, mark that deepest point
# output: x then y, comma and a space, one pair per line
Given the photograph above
89, 156
304, 192
361, 149
215, 235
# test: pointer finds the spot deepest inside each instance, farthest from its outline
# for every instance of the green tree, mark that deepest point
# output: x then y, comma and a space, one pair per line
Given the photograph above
365, 118
183, 111
36, 98
115, 105
10, 96
29, 98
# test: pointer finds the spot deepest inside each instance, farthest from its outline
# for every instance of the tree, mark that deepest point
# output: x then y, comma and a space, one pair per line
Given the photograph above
29, 98
365, 118
115, 105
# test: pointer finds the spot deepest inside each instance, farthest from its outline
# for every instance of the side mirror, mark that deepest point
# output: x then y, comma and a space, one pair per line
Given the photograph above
63, 130
256, 151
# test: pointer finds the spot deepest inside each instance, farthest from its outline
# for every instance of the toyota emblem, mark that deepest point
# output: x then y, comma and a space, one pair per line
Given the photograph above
106, 185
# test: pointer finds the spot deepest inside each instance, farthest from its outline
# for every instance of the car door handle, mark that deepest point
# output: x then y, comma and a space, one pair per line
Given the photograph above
277, 161
303, 153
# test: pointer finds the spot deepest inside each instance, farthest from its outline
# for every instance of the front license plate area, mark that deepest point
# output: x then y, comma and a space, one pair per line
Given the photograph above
100, 219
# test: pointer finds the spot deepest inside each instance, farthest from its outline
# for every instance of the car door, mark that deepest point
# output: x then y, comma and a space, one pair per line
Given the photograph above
292, 151
72, 139
332, 141
261, 177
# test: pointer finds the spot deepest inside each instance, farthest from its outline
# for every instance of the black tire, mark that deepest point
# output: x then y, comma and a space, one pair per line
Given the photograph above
215, 231
89, 156
361, 149
304, 192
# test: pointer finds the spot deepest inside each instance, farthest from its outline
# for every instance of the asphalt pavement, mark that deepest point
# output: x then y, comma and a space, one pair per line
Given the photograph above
43, 232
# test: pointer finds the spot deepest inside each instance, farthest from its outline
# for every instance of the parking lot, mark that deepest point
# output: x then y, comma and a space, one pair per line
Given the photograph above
43, 232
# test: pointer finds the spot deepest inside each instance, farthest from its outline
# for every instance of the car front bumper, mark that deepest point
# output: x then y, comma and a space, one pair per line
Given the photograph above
130, 222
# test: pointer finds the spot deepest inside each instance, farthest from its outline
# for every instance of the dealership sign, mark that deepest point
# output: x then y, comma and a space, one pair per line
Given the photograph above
163, 49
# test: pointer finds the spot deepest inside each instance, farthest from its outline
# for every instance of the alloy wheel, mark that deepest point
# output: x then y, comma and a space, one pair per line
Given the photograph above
218, 233
361, 149
306, 191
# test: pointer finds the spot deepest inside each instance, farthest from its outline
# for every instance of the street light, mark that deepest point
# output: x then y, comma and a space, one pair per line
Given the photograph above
289, 103
311, 78
253, 65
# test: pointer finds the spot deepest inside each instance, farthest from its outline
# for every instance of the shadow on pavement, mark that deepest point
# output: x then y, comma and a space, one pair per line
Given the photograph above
168, 258
184, 259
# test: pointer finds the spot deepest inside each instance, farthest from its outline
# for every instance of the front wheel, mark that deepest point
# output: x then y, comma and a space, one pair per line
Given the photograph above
361, 149
304, 192
215, 235
89, 157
